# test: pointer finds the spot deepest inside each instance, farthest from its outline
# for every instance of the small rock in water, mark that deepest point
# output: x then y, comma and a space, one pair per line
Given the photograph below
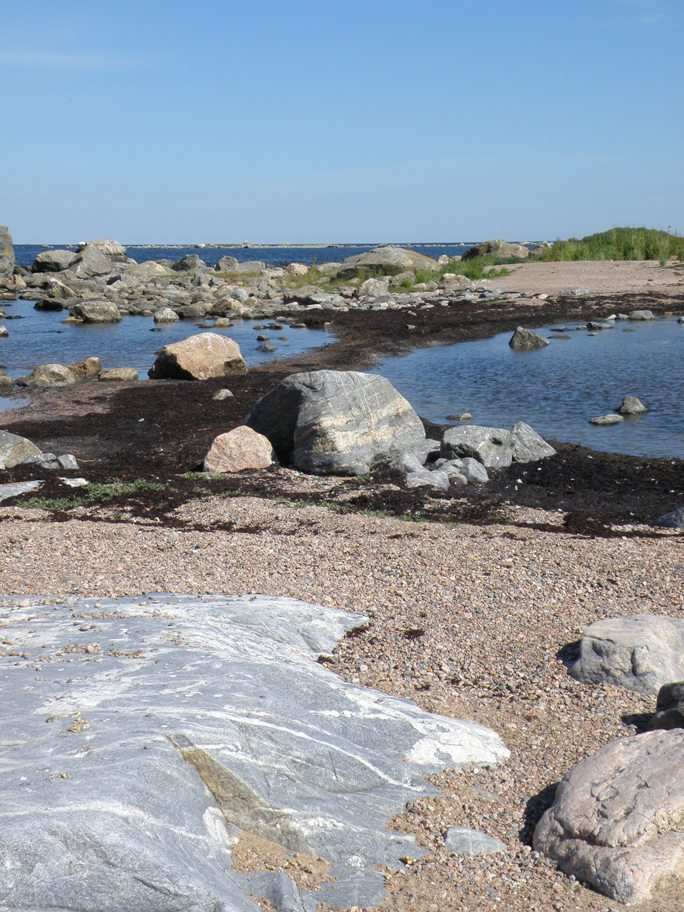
642, 315
607, 420
527, 340
462, 841
632, 405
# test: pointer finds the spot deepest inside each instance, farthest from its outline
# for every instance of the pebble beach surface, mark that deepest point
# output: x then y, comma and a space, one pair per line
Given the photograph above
466, 620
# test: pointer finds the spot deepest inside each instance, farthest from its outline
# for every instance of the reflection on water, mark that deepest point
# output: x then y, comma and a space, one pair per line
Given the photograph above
558, 388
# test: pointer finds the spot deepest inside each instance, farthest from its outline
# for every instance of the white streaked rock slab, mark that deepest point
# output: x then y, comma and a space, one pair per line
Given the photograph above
140, 737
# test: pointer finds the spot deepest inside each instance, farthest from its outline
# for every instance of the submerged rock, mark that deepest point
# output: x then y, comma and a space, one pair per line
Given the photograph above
615, 822
199, 357
336, 422
606, 420
642, 315
169, 726
640, 653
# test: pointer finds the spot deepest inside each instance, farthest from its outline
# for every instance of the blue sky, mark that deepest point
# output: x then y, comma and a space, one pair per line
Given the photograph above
368, 121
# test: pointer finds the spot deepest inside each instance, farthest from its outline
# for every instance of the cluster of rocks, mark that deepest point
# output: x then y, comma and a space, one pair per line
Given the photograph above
630, 407
348, 423
55, 374
20, 451
615, 822
100, 283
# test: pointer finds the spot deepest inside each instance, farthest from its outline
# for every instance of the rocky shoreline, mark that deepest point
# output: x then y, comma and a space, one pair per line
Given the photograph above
506, 595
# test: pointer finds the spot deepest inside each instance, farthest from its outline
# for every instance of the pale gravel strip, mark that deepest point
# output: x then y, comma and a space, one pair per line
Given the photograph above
465, 620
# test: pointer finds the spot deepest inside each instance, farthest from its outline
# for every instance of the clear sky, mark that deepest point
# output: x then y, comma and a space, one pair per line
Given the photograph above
338, 121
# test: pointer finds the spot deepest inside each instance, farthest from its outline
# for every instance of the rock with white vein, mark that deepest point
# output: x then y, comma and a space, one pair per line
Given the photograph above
141, 737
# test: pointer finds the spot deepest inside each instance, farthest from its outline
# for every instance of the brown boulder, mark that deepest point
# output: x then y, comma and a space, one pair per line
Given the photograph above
239, 449
199, 357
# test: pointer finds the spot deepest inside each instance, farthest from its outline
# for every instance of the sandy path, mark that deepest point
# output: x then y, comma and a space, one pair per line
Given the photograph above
600, 277
465, 620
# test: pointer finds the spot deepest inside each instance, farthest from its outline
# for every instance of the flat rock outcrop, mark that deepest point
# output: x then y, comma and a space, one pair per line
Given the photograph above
144, 737
640, 653
386, 261
199, 357
616, 819
336, 422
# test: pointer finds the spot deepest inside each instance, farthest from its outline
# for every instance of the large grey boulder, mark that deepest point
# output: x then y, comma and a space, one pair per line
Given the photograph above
97, 312
386, 261
495, 448
91, 262
616, 821
53, 261
640, 653
143, 737
15, 449
199, 357
525, 340
6, 252
336, 422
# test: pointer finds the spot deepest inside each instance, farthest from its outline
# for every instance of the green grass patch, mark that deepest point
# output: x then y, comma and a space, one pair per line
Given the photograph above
96, 492
619, 244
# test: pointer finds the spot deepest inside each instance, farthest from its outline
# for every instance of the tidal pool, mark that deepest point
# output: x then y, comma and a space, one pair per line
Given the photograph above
41, 337
559, 388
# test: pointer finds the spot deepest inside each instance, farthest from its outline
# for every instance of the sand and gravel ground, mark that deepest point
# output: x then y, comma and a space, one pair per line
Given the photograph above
466, 620
597, 277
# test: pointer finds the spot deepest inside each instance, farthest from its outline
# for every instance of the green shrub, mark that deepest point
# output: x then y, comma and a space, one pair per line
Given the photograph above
619, 244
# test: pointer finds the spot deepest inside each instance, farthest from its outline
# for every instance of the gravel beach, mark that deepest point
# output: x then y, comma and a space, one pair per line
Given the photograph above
473, 614
466, 620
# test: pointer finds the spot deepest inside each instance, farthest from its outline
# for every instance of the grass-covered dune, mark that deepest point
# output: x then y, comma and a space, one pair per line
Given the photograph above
619, 244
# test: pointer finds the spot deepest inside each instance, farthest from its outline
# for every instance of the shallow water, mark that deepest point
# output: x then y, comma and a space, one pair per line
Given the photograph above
559, 388
42, 337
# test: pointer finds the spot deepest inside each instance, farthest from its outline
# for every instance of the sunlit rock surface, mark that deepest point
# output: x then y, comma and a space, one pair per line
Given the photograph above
142, 738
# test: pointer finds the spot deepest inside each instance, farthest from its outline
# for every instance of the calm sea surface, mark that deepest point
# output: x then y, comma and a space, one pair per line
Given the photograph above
558, 388
277, 256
